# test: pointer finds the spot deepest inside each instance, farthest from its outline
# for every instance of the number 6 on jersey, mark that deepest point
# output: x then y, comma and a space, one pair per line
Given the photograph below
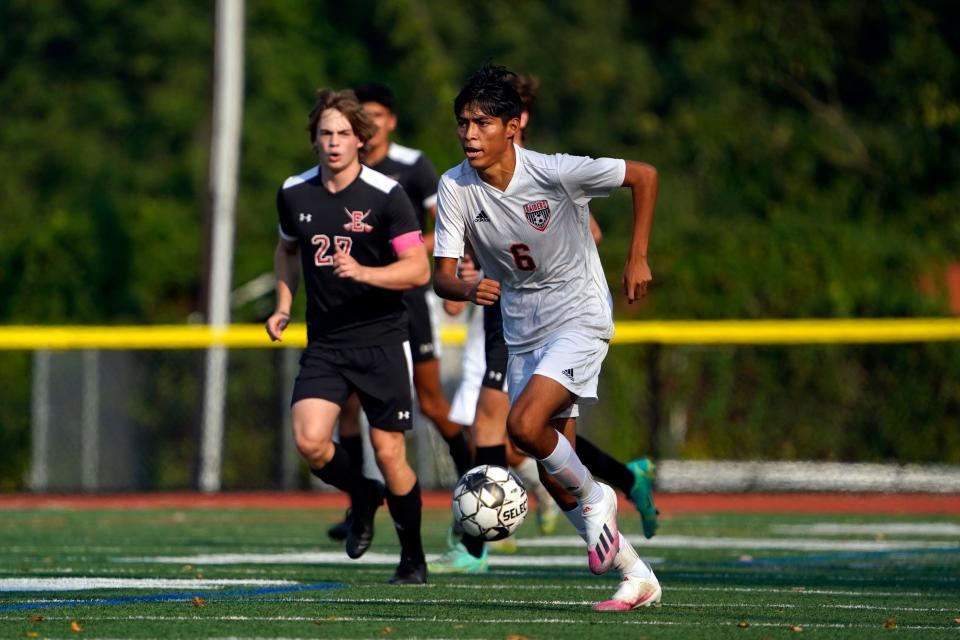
522, 258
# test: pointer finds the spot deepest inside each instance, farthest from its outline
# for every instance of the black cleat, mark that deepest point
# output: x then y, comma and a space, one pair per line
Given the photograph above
410, 572
339, 531
360, 532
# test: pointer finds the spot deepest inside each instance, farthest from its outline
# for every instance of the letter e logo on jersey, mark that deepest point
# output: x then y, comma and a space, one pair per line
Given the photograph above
357, 223
538, 214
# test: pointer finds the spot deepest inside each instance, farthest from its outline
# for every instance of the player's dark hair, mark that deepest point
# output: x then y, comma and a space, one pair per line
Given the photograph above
346, 103
375, 92
491, 90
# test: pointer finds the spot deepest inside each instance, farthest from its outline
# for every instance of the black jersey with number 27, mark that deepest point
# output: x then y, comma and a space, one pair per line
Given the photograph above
361, 219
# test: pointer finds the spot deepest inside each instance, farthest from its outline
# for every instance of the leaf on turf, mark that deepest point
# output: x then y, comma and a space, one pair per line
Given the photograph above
516, 637
387, 631
188, 567
75, 627
743, 624
199, 602
36, 618
890, 624
458, 626
33, 634
956, 620
796, 628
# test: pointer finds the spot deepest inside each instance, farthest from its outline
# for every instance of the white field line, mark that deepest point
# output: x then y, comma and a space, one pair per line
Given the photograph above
642, 618
81, 584
675, 542
574, 603
719, 542
667, 588
574, 542
875, 529
339, 557
488, 586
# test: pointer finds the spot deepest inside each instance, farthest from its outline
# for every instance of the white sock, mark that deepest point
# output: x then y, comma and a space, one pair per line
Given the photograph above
628, 563
527, 470
575, 517
564, 465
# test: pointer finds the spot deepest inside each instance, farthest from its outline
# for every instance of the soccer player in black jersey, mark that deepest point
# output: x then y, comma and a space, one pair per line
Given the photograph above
412, 169
352, 233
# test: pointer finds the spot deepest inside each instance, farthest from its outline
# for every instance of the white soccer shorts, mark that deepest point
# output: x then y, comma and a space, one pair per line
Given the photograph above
572, 358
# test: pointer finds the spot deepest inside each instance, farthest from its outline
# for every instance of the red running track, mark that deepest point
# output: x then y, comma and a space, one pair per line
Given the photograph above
667, 503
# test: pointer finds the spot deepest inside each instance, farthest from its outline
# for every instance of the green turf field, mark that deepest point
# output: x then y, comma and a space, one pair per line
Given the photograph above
237, 573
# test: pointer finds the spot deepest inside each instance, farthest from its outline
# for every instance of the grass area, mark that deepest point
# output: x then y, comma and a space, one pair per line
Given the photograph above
242, 573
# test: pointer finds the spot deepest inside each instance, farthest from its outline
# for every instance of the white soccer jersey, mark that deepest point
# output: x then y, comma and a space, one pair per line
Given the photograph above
534, 238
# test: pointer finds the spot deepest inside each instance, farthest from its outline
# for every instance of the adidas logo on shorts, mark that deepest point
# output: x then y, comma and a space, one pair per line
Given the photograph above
482, 217
568, 373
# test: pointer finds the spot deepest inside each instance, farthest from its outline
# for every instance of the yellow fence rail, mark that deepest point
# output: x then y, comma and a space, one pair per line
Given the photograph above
660, 332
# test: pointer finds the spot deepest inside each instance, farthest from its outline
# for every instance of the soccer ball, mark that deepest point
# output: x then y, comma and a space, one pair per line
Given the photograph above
489, 502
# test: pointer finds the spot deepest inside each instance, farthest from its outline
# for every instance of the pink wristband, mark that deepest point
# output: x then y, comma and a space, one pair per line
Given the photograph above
407, 240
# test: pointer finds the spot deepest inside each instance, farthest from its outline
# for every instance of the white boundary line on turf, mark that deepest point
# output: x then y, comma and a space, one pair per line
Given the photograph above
573, 603
82, 584
641, 619
778, 590
718, 542
340, 558
945, 529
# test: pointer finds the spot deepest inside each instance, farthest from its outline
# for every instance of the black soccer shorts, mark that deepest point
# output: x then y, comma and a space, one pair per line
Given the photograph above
495, 377
420, 328
380, 376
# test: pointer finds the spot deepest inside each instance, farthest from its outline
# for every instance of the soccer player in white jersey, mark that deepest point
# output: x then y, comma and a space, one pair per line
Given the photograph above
525, 216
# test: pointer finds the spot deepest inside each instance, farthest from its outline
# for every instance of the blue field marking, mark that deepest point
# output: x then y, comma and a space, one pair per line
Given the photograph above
319, 586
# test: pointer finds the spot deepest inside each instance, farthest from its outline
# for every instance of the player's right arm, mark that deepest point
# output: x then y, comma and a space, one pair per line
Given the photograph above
286, 268
447, 285
468, 272
450, 246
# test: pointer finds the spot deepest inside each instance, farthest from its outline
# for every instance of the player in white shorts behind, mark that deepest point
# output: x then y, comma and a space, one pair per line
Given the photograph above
525, 216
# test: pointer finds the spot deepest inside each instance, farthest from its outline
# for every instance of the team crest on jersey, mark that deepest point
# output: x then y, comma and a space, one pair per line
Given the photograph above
357, 223
538, 214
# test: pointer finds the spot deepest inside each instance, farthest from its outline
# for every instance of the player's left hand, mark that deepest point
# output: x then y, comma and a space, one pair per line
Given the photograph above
636, 278
345, 266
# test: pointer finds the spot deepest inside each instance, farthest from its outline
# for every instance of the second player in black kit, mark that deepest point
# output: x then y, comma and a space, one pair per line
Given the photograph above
352, 234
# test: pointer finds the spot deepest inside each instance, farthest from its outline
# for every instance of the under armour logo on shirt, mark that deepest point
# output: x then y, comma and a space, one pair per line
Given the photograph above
568, 373
403, 415
482, 217
305, 217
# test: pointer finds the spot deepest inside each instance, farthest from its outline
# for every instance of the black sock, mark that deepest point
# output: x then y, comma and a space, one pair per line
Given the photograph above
603, 466
496, 455
474, 546
460, 452
341, 472
354, 448
406, 513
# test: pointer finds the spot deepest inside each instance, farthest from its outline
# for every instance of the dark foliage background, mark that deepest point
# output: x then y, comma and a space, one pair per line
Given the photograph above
809, 155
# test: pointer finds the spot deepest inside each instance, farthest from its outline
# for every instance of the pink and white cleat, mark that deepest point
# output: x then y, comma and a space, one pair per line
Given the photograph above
633, 592
603, 537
